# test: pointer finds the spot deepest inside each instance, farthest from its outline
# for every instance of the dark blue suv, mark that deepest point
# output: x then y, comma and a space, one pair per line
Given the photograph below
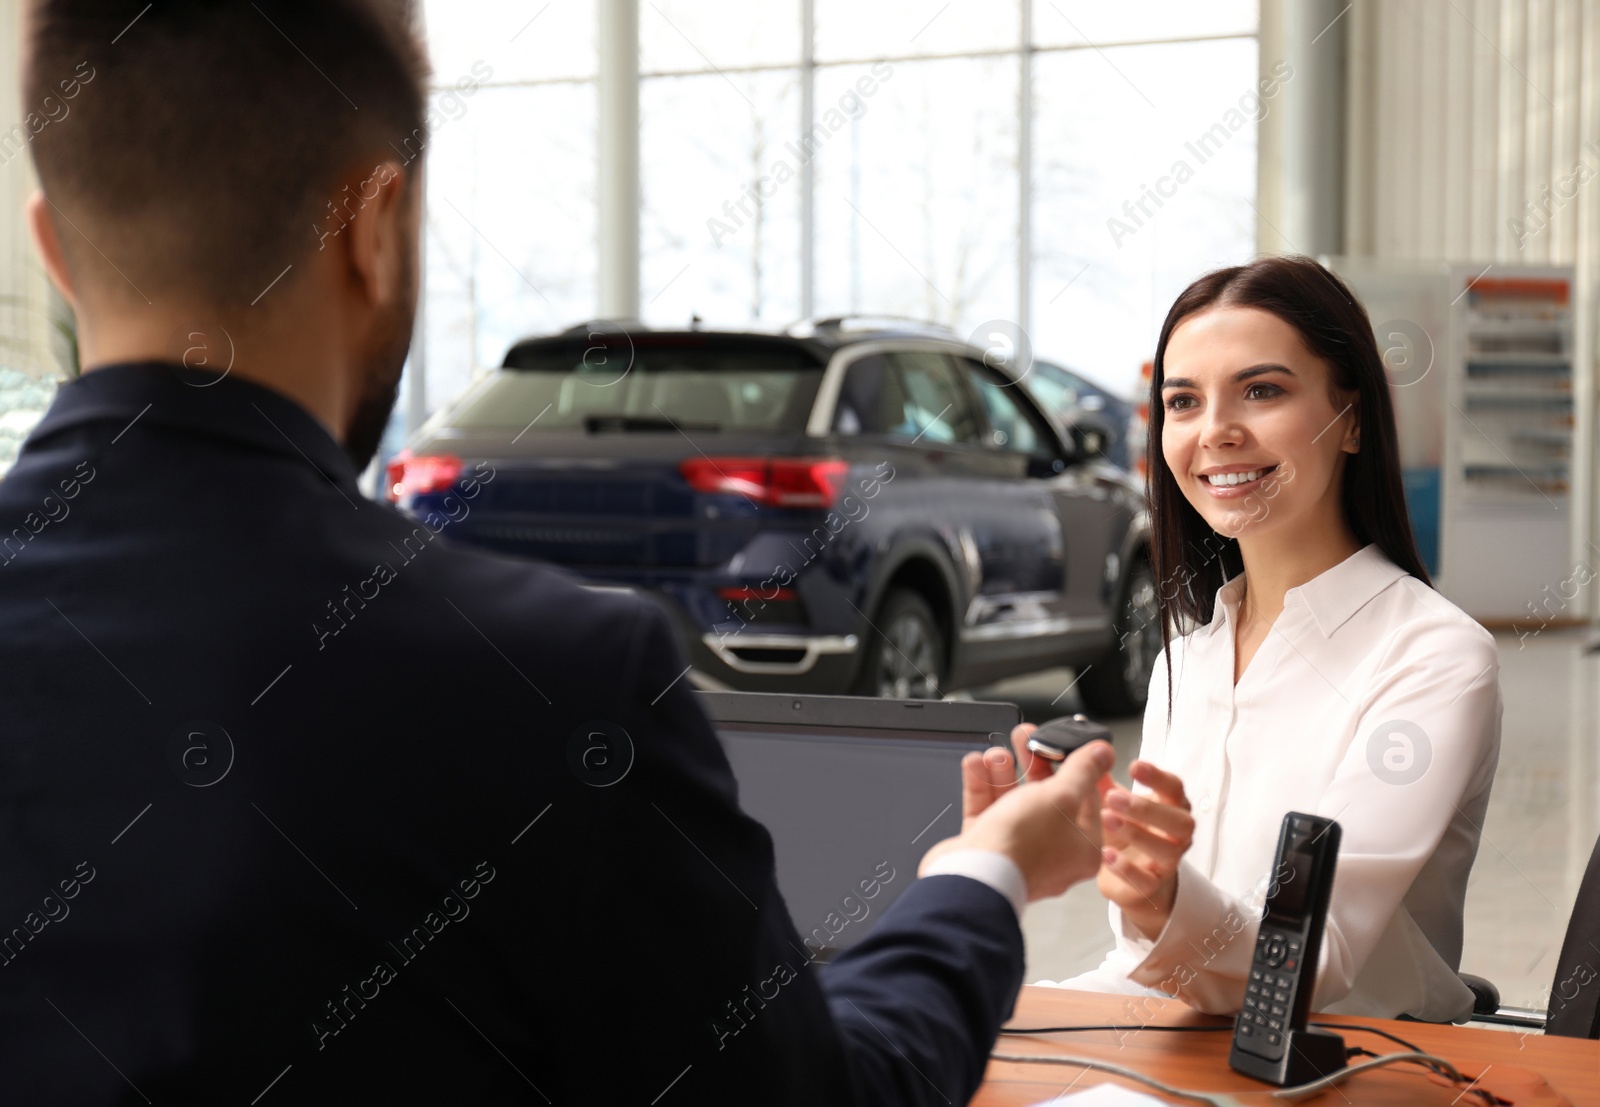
870, 510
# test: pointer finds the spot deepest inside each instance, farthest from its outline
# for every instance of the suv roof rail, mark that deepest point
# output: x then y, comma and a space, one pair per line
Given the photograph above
589, 326
861, 321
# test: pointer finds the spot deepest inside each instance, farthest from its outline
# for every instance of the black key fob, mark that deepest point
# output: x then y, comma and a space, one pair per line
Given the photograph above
1057, 739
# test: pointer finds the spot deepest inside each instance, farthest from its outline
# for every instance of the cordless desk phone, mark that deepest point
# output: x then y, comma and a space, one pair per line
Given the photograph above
1270, 1039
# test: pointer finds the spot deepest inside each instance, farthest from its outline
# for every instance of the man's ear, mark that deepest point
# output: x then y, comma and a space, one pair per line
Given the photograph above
378, 202
48, 243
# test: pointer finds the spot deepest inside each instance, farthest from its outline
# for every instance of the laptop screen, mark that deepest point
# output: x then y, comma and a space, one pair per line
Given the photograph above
854, 791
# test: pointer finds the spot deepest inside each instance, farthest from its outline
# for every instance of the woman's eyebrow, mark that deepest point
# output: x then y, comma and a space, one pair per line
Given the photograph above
1241, 375
1258, 370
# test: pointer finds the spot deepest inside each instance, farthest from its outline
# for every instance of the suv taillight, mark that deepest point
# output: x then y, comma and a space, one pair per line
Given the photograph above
410, 475
774, 482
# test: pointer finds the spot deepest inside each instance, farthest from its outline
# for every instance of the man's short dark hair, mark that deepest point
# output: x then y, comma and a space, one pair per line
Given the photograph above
199, 148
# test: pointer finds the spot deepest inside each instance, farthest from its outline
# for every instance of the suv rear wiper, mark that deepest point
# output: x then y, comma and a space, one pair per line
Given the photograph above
596, 424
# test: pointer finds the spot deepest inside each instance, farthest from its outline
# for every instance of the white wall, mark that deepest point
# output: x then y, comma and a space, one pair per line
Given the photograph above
1461, 116
1461, 113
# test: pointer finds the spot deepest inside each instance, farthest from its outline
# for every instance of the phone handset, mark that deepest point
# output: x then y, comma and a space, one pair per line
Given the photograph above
1271, 1041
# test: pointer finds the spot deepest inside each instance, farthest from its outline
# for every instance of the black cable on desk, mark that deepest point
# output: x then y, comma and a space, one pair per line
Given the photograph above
1205, 1030
1113, 1026
1370, 1030
1436, 1065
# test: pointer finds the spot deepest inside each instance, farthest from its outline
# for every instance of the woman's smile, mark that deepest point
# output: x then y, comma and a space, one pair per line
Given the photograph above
1229, 482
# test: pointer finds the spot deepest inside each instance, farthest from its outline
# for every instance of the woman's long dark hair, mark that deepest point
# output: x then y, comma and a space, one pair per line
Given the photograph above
1191, 561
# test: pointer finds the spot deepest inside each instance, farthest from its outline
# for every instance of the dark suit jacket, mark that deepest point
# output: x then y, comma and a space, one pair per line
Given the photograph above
295, 808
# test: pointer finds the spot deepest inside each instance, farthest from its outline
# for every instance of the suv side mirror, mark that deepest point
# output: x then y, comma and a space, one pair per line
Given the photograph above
1044, 466
1090, 440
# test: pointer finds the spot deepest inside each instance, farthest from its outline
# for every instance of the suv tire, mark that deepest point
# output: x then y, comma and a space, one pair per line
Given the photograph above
905, 655
1119, 683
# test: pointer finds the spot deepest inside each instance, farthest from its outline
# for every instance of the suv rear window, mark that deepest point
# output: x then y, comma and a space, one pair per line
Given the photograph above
692, 381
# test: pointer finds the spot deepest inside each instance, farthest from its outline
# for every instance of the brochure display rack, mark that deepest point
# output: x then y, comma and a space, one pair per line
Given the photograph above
1481, 367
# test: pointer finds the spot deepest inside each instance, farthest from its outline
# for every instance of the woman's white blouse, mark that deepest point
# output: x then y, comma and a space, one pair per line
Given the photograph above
1373, 701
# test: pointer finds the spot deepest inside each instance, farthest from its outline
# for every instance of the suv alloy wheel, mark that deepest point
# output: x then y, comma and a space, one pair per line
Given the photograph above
1119, 683
905, 656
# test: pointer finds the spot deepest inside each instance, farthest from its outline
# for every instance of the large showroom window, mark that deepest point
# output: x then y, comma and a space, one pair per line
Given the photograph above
948, 142
510, 222
1051, 165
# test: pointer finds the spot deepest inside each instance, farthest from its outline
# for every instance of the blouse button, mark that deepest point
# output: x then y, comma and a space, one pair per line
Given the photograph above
1204, 806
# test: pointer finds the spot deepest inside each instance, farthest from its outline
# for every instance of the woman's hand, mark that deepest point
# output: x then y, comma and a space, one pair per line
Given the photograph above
1144, 838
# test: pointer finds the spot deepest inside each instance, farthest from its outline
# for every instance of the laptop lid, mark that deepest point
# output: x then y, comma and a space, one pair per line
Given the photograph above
853, 790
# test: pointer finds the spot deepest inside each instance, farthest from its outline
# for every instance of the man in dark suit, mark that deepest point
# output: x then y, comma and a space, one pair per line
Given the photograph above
294, 806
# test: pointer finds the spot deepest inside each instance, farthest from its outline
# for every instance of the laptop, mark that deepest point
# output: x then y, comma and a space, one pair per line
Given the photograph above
854, 791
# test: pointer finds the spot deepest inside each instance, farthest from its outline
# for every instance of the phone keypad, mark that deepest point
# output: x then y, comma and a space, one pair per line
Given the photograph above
1265, 1016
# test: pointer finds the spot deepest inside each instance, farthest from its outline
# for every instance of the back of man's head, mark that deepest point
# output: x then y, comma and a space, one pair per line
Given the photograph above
192, 146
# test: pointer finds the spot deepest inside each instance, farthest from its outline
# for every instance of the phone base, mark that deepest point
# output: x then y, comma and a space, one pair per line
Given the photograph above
1309, 1054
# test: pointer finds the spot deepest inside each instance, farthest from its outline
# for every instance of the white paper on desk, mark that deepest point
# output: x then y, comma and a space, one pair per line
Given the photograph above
1104, 1095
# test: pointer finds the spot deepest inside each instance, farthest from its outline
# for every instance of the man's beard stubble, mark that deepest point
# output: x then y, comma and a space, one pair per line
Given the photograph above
381, 368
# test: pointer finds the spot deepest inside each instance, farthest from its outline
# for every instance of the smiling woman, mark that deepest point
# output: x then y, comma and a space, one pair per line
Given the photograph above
1290, 312
1302, 636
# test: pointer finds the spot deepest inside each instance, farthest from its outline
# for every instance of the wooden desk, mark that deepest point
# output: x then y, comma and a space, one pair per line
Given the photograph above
1200, 1061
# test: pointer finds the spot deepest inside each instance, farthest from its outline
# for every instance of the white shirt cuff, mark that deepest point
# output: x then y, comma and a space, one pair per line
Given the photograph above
987, 867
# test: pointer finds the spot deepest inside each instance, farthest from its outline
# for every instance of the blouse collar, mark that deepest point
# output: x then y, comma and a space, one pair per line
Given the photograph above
1332, 596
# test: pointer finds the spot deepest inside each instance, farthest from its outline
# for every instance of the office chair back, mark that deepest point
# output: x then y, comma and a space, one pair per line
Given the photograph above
1575, 995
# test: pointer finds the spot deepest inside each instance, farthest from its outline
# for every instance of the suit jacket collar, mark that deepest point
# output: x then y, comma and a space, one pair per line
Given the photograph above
142, 397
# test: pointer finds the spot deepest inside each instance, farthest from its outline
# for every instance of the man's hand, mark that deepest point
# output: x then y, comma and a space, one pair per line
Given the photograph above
1145, 838
1048, 824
